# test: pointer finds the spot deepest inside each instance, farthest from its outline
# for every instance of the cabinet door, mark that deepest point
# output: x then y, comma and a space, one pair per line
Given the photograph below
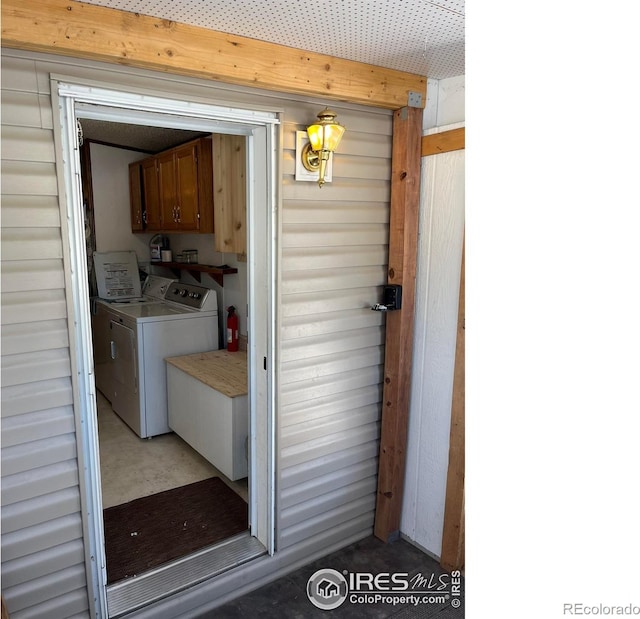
186, 166
168, 191
151, 195
135, 194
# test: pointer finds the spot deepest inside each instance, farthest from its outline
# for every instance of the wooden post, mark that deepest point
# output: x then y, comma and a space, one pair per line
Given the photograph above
452, 554
403, 247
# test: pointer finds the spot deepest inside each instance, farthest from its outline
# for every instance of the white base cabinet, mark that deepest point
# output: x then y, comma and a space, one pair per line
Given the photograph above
214, 423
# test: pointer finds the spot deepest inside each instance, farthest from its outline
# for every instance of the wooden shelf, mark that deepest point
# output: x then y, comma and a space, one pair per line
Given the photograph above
196, 270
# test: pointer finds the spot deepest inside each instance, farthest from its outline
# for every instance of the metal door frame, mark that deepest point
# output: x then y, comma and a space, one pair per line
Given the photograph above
75, 98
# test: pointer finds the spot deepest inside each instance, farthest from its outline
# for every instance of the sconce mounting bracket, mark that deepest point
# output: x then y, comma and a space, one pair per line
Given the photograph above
310, 158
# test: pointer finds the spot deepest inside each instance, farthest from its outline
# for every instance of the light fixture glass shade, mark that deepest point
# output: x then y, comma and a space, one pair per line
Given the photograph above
324, 137
327, 133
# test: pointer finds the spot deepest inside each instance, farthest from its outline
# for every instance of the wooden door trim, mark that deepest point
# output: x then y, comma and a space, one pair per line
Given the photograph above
452, 553
444, 142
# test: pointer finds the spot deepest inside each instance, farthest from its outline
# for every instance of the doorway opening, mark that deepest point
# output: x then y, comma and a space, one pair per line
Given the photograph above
112, 479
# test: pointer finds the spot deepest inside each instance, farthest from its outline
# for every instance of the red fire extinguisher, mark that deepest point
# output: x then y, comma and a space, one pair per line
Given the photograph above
232, 329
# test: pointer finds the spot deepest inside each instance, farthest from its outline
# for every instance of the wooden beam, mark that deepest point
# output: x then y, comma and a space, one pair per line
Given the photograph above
452, 553
443, 142
71, 28
403, 247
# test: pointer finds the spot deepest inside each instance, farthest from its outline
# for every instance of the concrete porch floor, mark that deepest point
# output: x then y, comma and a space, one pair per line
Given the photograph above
287, 598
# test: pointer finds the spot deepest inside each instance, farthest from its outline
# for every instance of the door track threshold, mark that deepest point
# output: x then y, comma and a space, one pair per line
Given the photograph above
133, 593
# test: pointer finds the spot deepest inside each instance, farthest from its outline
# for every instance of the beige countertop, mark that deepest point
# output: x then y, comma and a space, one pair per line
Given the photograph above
223, 371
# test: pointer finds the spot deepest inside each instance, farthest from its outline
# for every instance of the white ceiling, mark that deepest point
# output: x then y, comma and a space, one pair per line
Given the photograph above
425, 37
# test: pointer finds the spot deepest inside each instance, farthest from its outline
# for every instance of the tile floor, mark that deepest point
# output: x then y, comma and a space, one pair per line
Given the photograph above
132, 467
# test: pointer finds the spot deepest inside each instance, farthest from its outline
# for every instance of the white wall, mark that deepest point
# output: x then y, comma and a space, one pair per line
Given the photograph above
441, 231
112, 211
445, 103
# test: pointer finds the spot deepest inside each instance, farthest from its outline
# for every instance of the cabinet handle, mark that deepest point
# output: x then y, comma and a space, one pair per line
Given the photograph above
144, 217
179, 214
113, 349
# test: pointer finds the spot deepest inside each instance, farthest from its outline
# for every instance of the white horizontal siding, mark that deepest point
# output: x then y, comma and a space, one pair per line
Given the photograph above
302, 492
309, 281
331, 424
294, 258
34, 366
32, 305
322, 345
30, 212
19, 74
25, 178
29, 595
31, 275
343, 212
20, 143
27, 243
71, 604
342, 237
321, 470
351, 165
38, 425
43, 572
34, 336
328, 365
310, 508
27, 541
42, 564
333, 263
295, 305
38, 396
304, 390
332, 404
331, 323
319, 447
21, 109
40, 509
36, 454
40, 481
348, 510
358, 190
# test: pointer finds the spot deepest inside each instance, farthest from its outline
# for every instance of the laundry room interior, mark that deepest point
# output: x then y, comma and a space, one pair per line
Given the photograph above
172, 388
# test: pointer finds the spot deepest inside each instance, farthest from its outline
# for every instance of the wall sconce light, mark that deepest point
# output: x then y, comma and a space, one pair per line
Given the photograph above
324, 137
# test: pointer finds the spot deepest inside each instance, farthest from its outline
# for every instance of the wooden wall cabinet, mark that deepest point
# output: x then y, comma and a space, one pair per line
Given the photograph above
230, 193
176, 190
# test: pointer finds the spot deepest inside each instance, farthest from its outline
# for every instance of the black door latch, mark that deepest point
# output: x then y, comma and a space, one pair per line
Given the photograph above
392, 299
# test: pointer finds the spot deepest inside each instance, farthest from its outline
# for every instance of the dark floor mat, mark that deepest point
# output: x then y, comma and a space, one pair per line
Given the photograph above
156, 529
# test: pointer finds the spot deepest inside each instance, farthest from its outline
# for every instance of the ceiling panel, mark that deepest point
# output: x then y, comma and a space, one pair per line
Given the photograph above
143, 138
417, 36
